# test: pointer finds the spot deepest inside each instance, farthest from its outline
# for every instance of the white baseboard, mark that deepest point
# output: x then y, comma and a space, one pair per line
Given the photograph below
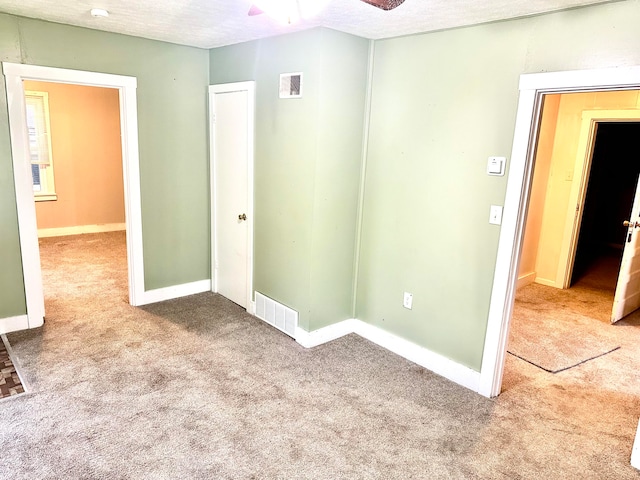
635, 451
175, 291
526, 279
545, 281
13, 324
80, 229
325, 334
435, 362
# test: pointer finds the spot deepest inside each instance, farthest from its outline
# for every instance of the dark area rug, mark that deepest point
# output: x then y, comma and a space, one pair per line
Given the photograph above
10, 383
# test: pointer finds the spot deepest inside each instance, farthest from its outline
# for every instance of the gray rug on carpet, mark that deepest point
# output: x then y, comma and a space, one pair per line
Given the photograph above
559, 339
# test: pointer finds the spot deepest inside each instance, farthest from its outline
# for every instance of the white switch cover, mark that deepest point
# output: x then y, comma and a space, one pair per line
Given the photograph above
495, 166
408, 300
495, 215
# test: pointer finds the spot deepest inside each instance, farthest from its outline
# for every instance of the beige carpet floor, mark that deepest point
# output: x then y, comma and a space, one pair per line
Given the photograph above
557, 330
195, 388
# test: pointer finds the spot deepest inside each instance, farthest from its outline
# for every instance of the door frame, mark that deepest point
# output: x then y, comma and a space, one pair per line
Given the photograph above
532, 88
250, 88
573, 220
28, 231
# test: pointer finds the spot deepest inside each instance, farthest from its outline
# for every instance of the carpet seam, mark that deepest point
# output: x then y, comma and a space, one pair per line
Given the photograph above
560, 370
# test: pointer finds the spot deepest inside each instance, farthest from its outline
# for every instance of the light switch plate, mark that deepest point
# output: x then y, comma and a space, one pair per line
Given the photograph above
495, 166
495, 215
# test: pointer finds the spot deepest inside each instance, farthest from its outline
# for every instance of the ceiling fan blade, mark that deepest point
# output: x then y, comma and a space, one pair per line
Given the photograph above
384, 4
254, 11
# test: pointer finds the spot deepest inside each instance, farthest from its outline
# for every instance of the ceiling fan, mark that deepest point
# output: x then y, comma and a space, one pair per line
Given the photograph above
292, 10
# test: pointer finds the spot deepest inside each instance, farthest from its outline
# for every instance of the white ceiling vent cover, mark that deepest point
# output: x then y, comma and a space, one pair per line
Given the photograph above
291, 85
276, 314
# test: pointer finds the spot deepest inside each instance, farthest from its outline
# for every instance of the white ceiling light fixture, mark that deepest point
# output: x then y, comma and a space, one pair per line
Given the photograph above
288, 11
99, 13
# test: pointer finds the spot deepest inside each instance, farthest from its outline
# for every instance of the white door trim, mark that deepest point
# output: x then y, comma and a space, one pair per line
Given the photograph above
15, 74
532, 89
250, 88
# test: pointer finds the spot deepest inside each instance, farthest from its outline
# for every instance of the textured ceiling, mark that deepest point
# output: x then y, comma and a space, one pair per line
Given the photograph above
213, 23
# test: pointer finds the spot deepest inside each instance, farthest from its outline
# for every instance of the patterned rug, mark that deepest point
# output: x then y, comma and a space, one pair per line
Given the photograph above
10, 383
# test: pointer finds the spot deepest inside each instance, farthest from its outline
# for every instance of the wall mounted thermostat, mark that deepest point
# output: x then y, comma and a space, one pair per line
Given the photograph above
495, 166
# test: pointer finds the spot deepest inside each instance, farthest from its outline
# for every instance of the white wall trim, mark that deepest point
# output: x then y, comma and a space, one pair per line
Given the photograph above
635, 451
526, 279
175, 291
325, 334
532, 89
15, 74
424, 357
13, 324
81, 230
546, 281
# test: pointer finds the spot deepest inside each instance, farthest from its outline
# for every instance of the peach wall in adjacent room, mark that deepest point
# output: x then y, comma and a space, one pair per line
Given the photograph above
544, 149
87, 157
553, 178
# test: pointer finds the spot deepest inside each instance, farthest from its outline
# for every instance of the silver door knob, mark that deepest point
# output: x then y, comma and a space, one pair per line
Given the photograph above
242, 217
627, 223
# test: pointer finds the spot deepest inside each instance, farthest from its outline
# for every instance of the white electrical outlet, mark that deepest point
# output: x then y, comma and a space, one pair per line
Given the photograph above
408, 300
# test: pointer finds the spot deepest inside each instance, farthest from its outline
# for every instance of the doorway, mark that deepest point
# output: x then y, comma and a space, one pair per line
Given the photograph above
609, 197
76, 158
533, 88
552, 328
231, 109
76, 163
583, 185
15, 75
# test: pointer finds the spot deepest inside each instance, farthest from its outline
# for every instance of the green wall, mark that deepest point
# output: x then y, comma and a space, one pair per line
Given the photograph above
441, 104
12, 299
307, 166
172, 117
344, 67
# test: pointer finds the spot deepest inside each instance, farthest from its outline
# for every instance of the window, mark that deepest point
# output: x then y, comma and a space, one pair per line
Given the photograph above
38, 128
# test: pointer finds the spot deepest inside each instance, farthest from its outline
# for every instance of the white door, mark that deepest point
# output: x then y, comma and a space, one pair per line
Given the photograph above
627, 296
231, 108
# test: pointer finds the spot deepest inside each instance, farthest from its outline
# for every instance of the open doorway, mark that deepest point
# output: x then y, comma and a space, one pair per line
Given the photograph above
555, 328
76, 165
533, 89
583, 185
615, 380
15, 74
609, 198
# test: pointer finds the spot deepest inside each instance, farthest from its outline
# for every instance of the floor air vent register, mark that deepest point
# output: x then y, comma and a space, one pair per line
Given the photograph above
276, 314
